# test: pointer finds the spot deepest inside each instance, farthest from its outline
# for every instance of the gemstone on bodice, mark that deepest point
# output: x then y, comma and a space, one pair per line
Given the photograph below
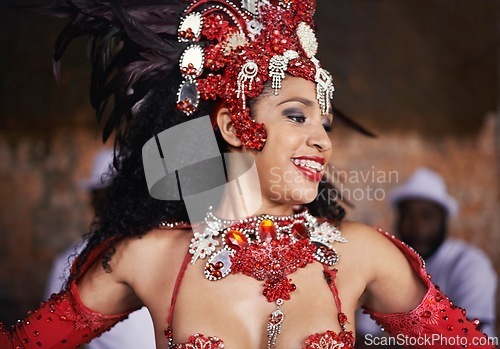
267, 230
235, 239
299, 231
219, 265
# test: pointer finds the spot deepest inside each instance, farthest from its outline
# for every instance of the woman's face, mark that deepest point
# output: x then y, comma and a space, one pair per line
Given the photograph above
298, 146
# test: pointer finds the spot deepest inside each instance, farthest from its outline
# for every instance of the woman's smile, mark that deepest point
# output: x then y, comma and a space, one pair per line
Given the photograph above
310, 166
298, 144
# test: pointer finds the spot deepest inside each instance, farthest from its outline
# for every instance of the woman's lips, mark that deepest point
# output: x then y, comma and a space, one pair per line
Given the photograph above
311, 167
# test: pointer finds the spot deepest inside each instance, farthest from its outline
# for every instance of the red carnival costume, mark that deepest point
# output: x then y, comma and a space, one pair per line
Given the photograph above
64, 322
225, 52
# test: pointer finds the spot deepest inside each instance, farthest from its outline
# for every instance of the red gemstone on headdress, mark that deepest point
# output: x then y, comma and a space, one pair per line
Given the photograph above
300, 231
267, 230
185, 105
188, 34
189, 70
236, 239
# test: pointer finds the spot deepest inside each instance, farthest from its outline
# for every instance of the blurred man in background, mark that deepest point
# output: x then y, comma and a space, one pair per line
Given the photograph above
462, 271
135, 332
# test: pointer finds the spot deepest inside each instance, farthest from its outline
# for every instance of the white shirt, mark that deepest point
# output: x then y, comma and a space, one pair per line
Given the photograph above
133, 333
465, 274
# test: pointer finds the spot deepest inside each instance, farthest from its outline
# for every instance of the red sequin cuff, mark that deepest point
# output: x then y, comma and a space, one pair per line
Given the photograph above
61, 322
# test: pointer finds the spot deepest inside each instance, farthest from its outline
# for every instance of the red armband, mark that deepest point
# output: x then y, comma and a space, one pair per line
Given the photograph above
436, 322
61, 322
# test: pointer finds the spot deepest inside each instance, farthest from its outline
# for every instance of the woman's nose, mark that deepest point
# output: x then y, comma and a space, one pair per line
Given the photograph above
320, 139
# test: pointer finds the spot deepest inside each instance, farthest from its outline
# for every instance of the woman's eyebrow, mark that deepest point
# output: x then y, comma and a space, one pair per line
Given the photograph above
305, 101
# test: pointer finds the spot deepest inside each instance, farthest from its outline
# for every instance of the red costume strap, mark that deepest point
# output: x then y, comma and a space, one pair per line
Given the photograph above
436, 322
177, 285
330, 275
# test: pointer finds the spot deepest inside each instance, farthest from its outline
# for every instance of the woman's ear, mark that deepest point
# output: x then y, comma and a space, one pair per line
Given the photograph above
226, 127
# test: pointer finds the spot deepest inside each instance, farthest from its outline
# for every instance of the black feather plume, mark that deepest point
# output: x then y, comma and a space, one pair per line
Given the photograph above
132, 45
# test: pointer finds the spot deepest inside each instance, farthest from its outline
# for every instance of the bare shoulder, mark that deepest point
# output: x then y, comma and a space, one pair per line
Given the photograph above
360, 233
116, 280
384, 267
368, 247
136, 258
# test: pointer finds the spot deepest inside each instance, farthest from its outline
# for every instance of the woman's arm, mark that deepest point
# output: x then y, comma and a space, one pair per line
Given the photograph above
111, 286
76, 315
61, 322
394, 286
404, 301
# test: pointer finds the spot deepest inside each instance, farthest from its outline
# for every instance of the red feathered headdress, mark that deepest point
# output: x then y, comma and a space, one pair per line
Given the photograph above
224, 49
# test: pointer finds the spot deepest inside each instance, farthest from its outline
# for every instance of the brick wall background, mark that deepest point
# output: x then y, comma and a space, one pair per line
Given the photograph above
467, 164
371, 168
42, 210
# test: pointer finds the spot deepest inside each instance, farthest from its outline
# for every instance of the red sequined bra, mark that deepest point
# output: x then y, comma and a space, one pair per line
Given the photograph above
325, 340
64, 322
436, 319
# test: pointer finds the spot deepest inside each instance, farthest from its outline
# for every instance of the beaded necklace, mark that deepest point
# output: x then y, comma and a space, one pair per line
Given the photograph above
267, 248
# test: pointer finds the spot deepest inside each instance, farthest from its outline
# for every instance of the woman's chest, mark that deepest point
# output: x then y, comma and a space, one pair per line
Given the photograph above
235, 310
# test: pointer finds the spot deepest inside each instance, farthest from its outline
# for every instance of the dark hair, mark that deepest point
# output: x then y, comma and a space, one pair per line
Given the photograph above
128, 209
325, 205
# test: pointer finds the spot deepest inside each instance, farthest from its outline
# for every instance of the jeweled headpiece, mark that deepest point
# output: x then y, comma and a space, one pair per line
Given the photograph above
248, 45
225, 49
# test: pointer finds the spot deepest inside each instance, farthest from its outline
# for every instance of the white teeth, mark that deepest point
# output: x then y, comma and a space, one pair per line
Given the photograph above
308, 163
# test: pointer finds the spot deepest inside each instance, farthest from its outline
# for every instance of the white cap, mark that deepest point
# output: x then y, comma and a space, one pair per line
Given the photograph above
102, 165
428, 185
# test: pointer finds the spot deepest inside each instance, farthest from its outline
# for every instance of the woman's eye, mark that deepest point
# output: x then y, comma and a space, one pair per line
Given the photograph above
297, 118
327, 125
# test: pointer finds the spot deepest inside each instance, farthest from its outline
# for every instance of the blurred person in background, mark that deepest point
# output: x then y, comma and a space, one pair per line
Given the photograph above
135, 332
462, 271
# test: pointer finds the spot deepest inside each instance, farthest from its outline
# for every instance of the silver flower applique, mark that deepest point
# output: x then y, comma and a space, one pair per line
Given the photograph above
326, 233
203, 244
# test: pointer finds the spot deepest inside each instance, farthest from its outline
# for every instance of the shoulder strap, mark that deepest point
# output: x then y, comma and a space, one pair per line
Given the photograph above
177, 285
330, 275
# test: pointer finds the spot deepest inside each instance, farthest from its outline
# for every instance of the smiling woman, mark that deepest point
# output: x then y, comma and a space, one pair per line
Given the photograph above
253, 272
297, 143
